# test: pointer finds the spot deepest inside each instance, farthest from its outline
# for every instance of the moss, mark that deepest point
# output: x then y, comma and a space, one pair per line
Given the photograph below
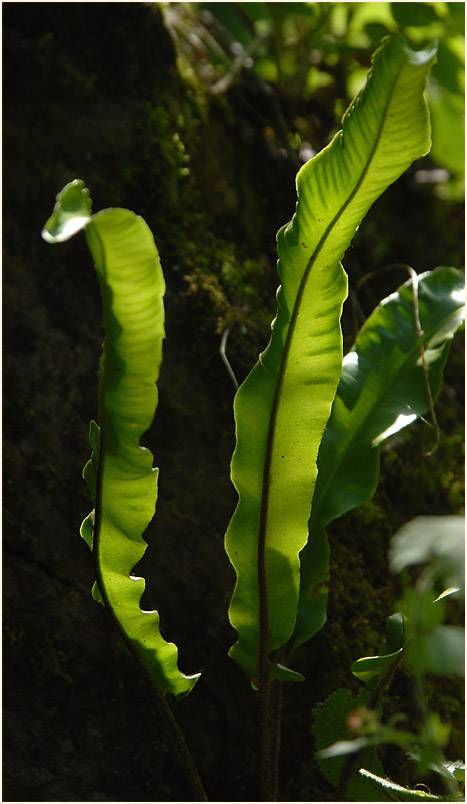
209, 278
161, 161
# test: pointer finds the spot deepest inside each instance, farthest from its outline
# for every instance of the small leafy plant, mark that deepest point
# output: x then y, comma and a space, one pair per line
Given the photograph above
418, 638
308, 424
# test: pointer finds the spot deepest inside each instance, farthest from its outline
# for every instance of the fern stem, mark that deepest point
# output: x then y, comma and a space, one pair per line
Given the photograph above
173, 729
223, 354
276, 715
265, 742
270, 712
181, 748
419, 331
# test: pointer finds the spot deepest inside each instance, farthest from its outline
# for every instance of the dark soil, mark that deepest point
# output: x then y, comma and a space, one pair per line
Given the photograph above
79, 723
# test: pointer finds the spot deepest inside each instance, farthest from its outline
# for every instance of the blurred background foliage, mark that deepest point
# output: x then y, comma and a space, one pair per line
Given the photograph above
322, 52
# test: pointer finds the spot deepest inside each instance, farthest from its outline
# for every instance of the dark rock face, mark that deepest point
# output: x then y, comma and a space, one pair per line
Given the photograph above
79, 723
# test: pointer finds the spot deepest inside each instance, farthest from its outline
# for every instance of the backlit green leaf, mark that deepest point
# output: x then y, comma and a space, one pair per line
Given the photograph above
282, 408
120, 475
403, 793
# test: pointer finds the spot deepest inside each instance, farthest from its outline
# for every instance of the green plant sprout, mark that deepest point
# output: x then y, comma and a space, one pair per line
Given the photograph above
309, 424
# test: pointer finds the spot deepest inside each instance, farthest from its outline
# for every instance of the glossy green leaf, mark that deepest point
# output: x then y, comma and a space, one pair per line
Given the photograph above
451, 590
282, 408
367, 668
457, 768
71, 213
403, 793
396, 632
120, 475
370, 668
382, 390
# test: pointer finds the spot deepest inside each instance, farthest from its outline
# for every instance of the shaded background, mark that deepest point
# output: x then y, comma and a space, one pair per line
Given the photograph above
160, 117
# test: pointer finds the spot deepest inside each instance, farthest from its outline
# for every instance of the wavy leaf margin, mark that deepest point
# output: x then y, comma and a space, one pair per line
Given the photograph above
120, 474
282, 408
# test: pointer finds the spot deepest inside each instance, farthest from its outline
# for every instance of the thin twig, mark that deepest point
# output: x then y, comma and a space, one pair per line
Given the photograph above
224, 357
419, 332
173, 729
265, 740
276, 714
181, 748
238, 63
